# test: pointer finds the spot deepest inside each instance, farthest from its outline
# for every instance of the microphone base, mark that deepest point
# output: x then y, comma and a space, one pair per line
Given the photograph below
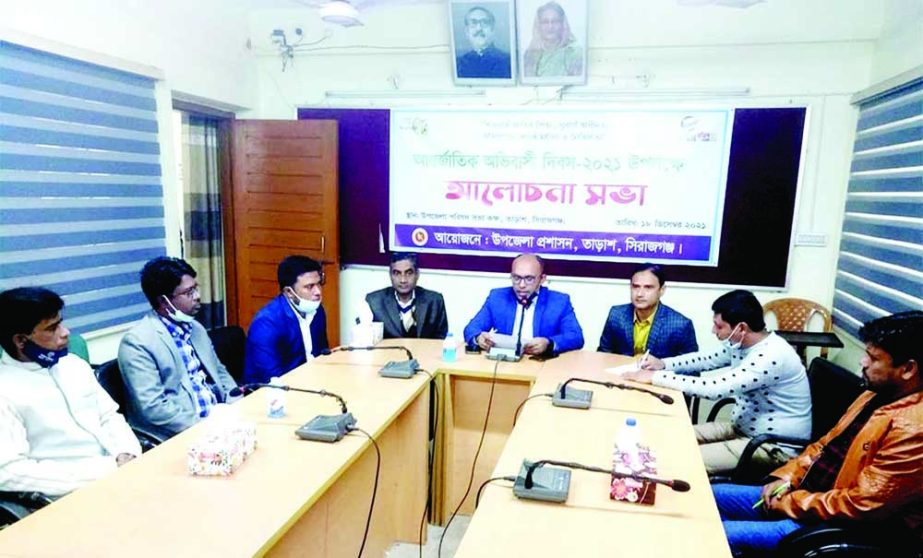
506, 355
399, 369
549, 484
327, 428
573, 398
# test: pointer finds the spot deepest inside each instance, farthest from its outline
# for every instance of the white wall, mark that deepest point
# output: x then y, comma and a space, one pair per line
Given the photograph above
815, 54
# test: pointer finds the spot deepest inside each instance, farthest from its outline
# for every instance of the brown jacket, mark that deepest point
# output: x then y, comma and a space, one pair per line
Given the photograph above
881, 476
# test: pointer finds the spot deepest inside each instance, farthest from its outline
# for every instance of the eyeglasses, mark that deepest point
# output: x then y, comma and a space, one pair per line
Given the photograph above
191, 292
527, 279
475, 22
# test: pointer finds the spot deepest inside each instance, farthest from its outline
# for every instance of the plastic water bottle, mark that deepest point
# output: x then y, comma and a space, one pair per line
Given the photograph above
627, 440
449, 349
275, 399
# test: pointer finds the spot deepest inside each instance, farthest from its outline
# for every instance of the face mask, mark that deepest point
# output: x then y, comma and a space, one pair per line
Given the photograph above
305, 306
46, 358
178, 316
726, 342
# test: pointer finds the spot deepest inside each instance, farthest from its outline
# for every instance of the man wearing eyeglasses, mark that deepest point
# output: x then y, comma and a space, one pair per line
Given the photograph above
542, 320
292, 328
484, 60
172, 375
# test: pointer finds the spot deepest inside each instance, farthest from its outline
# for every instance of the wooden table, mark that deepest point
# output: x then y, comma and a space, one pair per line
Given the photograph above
290, 498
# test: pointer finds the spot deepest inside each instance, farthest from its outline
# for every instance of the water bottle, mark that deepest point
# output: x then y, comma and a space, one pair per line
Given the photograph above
275, 399
449, 349
627, 440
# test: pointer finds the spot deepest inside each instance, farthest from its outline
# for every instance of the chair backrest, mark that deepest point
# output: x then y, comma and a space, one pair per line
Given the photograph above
110, 378
230, 344
794, 314
77, 345
833, 389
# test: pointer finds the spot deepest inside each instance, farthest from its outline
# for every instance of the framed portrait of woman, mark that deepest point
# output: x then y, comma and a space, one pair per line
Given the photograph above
483, 42
552, 41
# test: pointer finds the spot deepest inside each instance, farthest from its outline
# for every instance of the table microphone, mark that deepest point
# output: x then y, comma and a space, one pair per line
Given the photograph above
393, 369
580, 398
536, 482
322, 428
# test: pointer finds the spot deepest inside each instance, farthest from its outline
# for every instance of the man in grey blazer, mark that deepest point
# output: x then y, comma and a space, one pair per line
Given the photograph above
172, 375
405, 309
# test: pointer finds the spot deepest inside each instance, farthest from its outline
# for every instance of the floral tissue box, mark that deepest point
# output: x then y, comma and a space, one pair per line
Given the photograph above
631, 490
221, 452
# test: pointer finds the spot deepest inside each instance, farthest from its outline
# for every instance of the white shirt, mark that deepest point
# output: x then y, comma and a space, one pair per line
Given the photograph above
59, 430
528, 327
304, 323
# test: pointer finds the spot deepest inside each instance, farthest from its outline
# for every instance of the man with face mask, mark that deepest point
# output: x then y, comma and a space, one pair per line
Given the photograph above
172, 375
757, 368
59, 430
484, 60
292, 328
867, 472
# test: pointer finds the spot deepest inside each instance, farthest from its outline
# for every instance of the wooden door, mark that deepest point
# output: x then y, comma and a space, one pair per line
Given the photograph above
284, 182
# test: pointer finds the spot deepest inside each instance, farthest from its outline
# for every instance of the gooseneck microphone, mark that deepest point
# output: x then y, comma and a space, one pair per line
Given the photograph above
529, 482
393, 369
248, 388
580, 398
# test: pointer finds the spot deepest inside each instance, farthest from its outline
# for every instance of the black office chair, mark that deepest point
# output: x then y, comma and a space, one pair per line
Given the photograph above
110, 378
850, 540
833, 389
17, 505
230, 344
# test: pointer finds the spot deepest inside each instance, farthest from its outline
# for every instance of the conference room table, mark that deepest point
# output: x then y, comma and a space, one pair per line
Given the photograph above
297, 497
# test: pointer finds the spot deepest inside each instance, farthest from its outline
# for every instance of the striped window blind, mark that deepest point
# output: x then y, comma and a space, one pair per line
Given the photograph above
880, 269
81, 197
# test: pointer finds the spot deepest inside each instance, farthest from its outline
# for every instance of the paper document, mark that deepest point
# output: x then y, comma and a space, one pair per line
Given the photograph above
502, 341
623, 369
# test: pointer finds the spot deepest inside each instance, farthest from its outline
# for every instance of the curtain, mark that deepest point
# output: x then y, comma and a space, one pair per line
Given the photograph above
203, 245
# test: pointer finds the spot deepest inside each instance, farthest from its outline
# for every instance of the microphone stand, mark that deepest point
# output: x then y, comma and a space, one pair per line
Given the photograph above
322, 428
393, 369
549, 484
580, 398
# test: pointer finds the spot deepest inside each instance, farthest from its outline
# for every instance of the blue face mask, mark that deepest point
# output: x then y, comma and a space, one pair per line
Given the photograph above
46, 358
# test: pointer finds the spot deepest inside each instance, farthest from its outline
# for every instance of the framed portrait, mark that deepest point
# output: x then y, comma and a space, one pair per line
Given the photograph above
483, 42
552, 41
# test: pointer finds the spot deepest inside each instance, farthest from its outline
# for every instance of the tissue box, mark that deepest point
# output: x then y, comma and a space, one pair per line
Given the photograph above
221, 452
631, 490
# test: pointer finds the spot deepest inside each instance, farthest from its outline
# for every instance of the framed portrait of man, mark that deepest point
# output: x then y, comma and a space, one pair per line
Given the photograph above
552, 41
483, 42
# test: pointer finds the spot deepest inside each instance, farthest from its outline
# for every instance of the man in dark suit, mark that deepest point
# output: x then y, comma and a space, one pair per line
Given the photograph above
292, 328
405, 309
484, 60
646, 325
542, 318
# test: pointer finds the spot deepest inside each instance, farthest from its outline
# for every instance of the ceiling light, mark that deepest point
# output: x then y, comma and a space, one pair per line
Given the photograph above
340, 12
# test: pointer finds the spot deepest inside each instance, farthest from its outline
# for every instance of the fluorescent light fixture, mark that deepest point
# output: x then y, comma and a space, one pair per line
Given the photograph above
589, 94
339, 12
404, 94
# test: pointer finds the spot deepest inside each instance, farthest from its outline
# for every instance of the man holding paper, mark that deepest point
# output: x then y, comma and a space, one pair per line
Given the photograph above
541, 321
868, 469
757, 368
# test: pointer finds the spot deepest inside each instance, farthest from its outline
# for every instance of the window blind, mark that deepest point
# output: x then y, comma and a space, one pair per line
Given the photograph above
880, 267
81, 195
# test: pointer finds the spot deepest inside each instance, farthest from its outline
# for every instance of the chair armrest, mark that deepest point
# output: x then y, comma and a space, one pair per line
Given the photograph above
851, 539
17, 505
722, 403
743, 463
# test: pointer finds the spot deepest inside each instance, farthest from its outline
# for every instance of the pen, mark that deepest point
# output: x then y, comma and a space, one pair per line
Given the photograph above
643, 360
779, 490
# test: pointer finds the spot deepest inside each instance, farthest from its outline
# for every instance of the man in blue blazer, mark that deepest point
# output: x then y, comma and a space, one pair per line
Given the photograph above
543, 318
646, 325
291, 328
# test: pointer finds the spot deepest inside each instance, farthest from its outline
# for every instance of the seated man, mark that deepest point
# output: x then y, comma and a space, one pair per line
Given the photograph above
757, 368
292, 328
405, 309
868, 468
528, 311
59, 430
646, 326
172, 375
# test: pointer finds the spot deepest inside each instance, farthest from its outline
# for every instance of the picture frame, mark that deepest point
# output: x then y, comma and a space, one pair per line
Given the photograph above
552, 41
483, 42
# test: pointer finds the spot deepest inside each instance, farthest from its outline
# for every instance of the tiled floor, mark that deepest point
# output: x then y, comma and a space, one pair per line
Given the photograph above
449, 544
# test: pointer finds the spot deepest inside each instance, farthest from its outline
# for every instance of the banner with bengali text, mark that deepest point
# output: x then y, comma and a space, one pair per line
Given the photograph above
601, 185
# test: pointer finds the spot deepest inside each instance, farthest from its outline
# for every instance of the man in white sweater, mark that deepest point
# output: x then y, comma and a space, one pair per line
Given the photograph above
757, 368
59, 430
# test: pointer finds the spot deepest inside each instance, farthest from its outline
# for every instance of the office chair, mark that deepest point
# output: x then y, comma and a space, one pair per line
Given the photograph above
17, 505
795, 314
850, 540
110, 378
833, 389
230, 344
